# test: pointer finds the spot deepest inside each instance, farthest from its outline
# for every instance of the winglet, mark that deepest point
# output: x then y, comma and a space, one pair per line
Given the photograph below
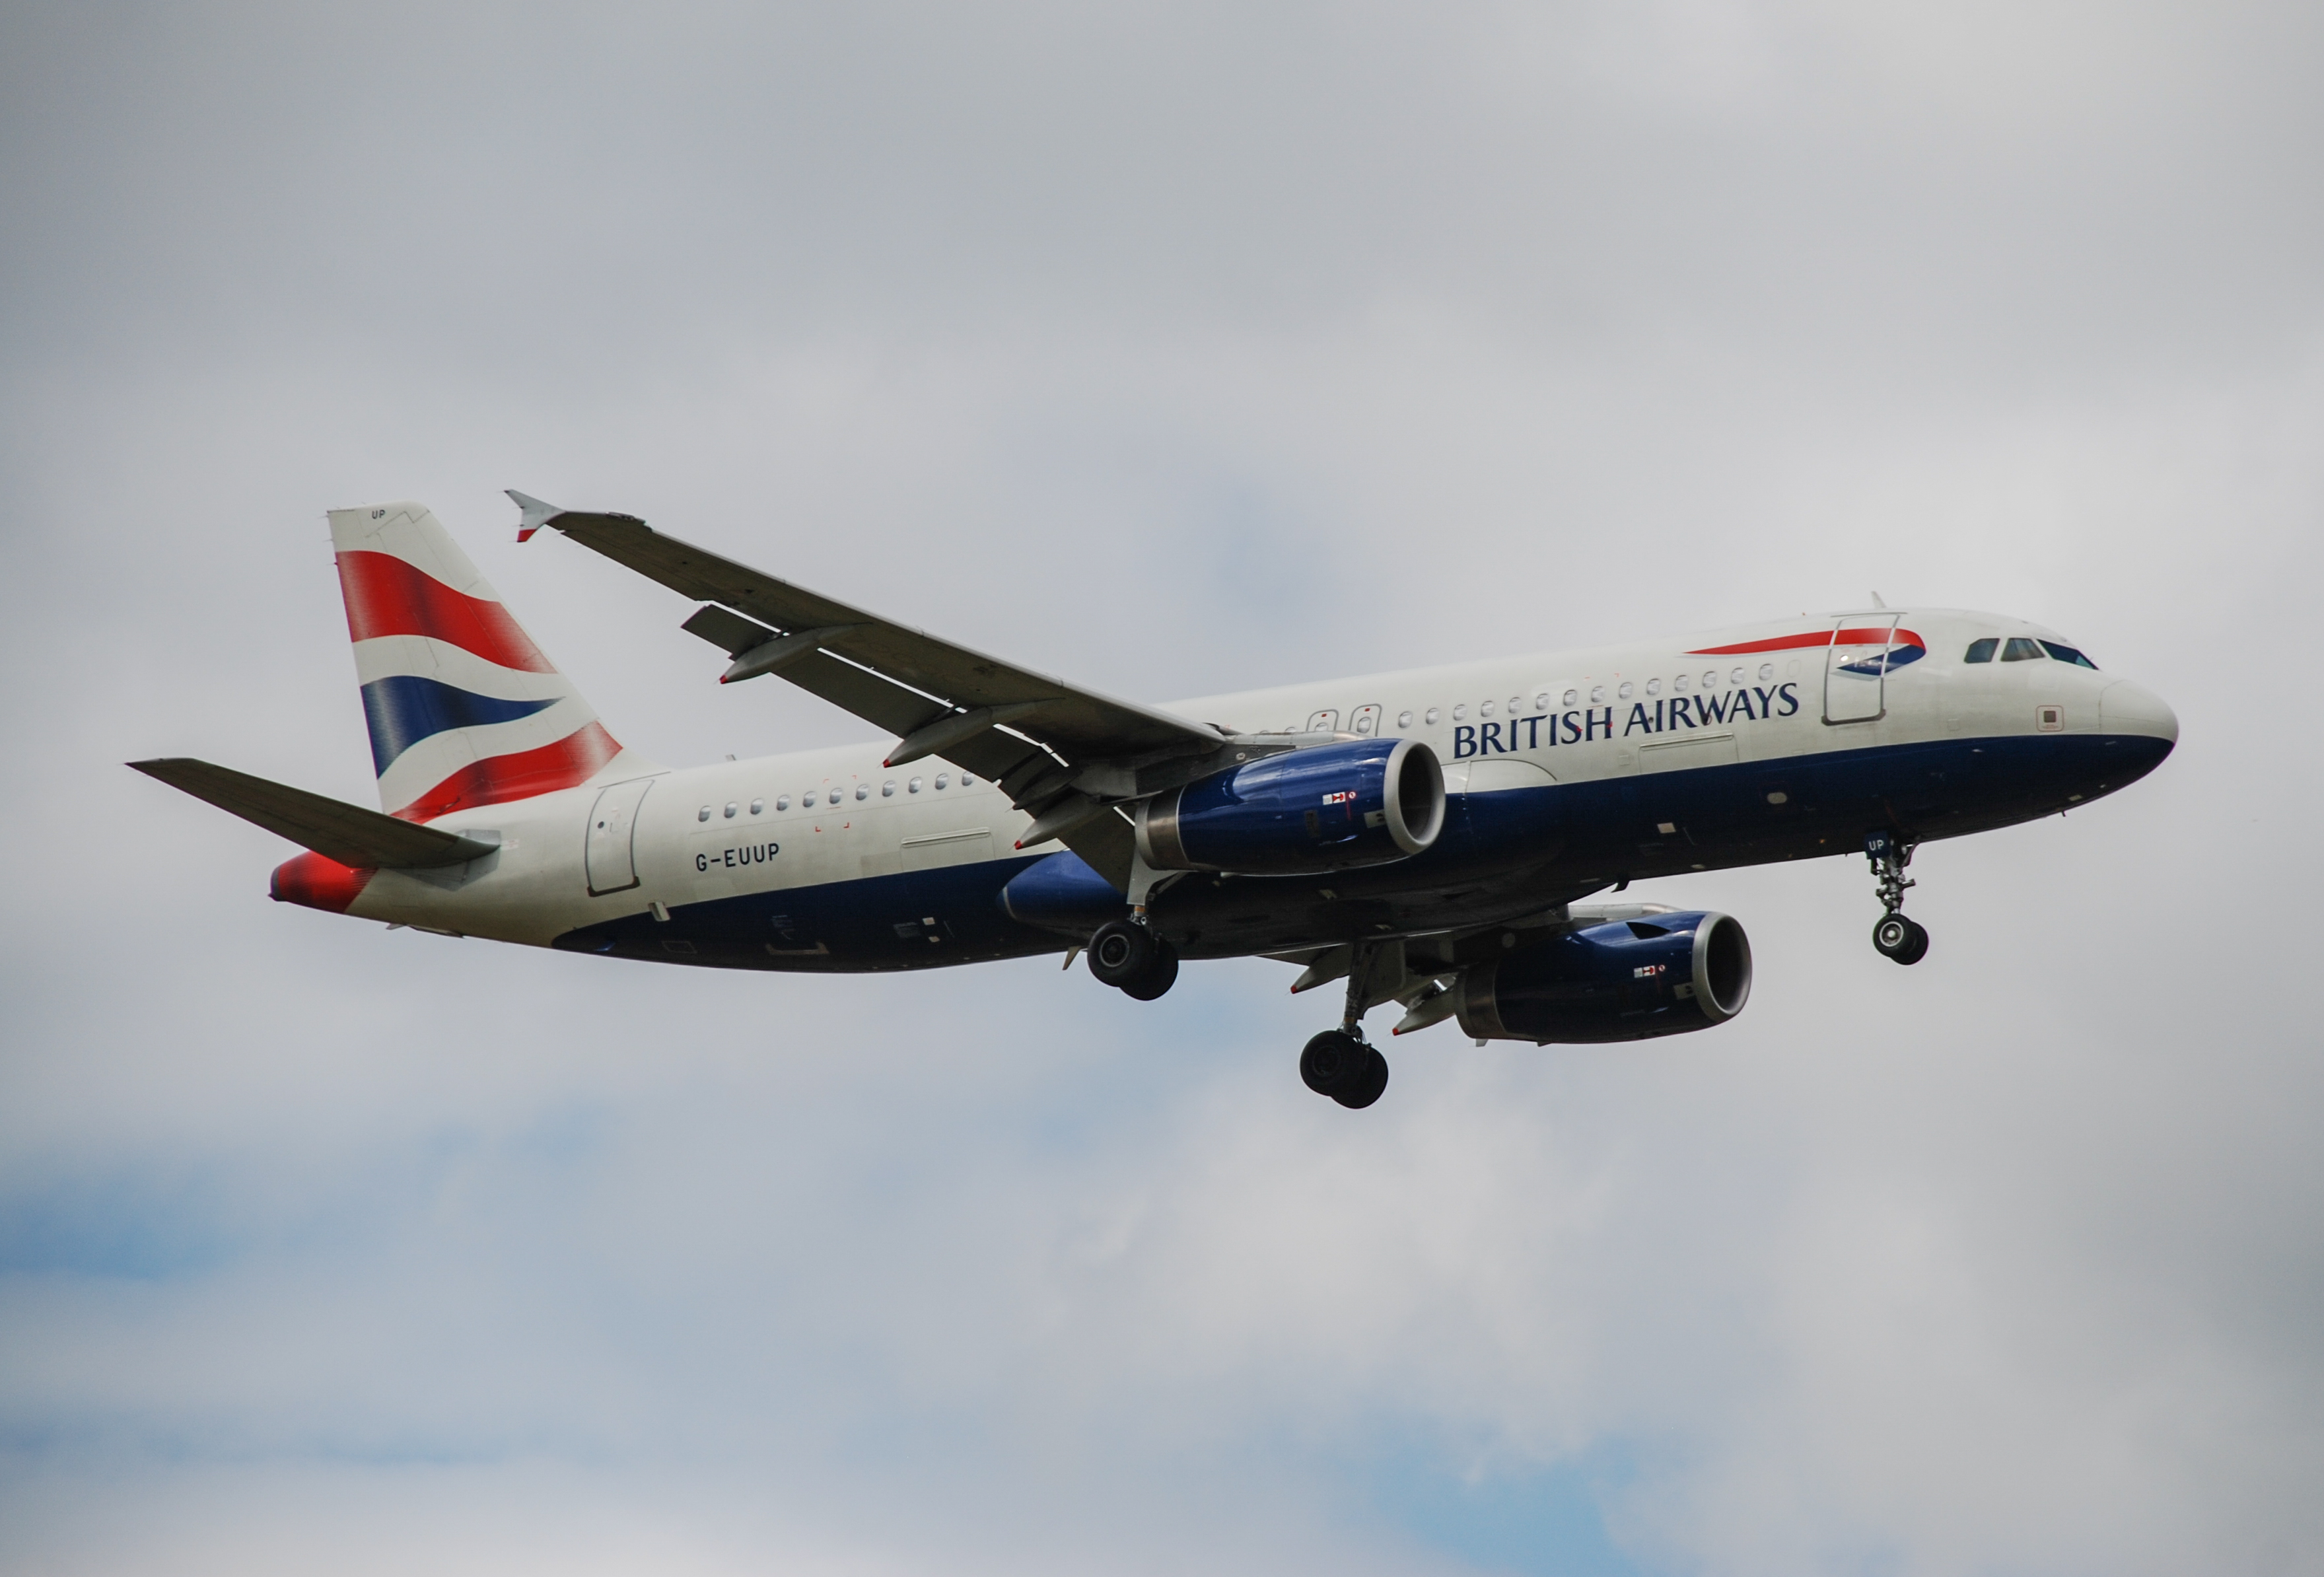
537, 514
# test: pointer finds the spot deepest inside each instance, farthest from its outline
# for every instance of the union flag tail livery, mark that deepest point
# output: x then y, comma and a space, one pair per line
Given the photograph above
1427, 837
463, 708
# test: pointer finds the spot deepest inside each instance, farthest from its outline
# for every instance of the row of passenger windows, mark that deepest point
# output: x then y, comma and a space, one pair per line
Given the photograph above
2022, 648
1366, 718
812, 797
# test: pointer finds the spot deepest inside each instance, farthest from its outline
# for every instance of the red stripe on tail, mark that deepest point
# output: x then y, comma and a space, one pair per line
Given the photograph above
571, 761
388, 596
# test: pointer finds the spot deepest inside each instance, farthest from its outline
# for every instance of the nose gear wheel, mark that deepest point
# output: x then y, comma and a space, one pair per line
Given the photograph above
1905, 941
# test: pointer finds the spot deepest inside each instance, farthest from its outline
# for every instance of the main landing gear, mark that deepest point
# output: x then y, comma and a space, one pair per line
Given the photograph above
1338, 1063
1905, 941
1134, 961
1126, 956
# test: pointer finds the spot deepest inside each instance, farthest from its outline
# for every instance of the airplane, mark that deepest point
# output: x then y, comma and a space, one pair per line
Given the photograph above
1429, 836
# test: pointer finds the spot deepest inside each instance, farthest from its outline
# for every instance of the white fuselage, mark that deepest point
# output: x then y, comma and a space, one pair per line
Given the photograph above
815, 818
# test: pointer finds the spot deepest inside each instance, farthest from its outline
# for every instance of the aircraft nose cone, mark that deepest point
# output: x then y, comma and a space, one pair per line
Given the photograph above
2124, 708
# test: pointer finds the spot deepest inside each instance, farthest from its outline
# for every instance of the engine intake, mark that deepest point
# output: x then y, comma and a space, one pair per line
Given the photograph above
1360, 802
1626, 980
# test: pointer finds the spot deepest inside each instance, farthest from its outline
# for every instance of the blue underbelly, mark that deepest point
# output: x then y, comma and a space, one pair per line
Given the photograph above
1500, 853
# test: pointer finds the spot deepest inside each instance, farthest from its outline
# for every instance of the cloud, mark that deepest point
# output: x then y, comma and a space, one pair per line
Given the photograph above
1179, 350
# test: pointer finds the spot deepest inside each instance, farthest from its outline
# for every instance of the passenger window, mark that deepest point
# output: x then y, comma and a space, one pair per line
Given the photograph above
2020, 649
2067, 654
1981, 650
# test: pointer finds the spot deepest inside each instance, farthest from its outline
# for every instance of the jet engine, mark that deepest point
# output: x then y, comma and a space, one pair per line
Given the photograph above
1358, 802
1626, 980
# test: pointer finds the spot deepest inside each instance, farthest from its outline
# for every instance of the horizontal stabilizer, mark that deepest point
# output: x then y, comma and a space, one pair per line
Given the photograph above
353, 836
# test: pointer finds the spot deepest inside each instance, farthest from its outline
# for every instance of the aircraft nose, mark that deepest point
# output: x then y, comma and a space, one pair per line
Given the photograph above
2124, 708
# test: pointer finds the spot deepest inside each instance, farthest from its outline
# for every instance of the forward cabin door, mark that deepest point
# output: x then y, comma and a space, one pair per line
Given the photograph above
611, 852
1856, 668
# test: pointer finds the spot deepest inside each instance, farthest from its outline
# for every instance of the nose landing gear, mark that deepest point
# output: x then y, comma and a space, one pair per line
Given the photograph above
1905, 941
1338, 1063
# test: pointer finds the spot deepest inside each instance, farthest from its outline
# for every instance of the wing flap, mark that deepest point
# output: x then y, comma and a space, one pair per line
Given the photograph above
349, 834
727, 630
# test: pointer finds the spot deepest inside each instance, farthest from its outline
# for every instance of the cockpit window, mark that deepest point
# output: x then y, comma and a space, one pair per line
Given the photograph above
2020, 649
1981, 650
2067, 654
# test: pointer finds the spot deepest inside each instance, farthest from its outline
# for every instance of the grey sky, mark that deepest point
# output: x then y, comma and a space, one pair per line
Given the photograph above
1177, 349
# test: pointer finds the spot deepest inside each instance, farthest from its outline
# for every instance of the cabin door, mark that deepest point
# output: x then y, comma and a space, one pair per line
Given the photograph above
1856, 668
611, 859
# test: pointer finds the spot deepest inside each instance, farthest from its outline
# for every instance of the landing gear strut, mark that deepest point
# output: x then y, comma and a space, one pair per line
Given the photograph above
1133, 960
1905, 941
1337, 1063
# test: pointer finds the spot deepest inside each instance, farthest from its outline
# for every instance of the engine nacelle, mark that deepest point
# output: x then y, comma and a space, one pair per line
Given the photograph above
1360, 802
1626, 980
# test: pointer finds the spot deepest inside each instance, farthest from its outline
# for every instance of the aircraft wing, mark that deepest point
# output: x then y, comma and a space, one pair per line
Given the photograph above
1065, 755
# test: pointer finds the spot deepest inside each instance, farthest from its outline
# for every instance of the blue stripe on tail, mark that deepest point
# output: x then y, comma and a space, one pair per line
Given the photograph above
402, 710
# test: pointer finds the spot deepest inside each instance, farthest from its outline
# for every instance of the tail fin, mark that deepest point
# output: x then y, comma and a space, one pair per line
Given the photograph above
463, 708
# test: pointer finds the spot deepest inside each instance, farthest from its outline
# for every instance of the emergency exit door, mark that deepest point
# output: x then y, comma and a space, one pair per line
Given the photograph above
610, 856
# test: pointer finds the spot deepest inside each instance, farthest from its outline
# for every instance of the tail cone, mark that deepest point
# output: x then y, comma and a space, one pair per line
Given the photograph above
318, 883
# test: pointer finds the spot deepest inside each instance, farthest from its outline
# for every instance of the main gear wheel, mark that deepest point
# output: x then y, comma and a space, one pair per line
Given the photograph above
1337, 1064
1133, 960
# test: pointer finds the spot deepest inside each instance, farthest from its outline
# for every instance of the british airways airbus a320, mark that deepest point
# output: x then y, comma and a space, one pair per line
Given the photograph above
1427, 837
